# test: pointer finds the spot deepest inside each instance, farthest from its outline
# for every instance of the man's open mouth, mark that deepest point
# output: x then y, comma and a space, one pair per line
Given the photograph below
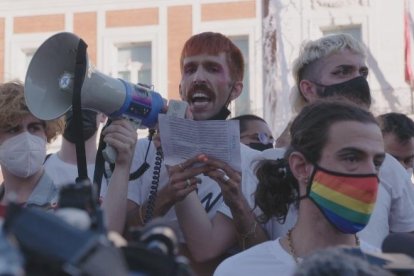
200, 99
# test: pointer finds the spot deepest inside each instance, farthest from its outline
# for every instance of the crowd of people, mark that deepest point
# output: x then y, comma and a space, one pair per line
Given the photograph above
336, 177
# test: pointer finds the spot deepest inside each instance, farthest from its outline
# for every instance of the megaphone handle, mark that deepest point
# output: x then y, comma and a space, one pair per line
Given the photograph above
109, 153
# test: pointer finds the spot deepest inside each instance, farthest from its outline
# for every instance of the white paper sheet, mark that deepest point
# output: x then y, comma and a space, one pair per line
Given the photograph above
182, 139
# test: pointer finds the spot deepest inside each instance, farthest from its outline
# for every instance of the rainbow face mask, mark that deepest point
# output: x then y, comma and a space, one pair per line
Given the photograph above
346, 200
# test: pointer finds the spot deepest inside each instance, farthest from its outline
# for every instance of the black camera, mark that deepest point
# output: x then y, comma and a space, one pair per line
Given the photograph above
51, 245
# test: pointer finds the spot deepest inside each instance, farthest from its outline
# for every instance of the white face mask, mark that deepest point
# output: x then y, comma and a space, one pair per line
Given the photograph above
23, 155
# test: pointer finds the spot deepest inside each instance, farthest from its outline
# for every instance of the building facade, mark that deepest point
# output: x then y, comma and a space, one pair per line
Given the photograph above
379, 24
140, 41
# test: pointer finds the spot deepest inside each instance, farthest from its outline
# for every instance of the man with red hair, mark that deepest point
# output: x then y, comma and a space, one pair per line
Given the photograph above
212, 69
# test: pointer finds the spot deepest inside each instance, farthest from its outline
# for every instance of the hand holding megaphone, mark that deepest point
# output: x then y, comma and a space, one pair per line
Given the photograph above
121, 137
49, 88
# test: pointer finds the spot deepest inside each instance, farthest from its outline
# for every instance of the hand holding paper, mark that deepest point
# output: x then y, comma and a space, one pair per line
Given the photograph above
182, 139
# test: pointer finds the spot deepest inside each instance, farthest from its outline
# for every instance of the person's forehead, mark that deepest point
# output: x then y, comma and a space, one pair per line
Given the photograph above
351, 134
343, 57
255, 126
29, 118
391, 140
204, 57
22, 120
400, 151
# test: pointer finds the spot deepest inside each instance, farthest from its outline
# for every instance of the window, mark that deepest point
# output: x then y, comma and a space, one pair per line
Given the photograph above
354, 30
28, 55
21, 62
134, 63
242, 104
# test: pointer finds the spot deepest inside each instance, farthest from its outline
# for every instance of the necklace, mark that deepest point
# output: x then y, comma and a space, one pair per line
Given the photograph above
292, 249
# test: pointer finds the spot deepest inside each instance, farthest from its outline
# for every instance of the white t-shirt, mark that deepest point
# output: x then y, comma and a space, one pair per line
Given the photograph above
209, 191
393, 210
267, 258
63, 173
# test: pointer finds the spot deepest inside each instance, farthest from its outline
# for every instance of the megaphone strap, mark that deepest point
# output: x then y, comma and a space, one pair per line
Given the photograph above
79, 76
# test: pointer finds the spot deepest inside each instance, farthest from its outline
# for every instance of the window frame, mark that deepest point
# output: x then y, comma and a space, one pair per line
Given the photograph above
134, 72
253, 30
19, 46
112, 38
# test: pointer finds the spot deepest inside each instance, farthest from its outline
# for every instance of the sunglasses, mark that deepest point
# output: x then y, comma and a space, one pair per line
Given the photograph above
262, 137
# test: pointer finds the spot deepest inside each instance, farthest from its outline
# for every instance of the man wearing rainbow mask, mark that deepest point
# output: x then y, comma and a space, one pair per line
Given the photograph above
330, 172
335, 65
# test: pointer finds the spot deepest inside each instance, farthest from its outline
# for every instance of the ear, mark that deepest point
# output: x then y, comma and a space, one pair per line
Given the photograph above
308, 90
300, 167
236, 90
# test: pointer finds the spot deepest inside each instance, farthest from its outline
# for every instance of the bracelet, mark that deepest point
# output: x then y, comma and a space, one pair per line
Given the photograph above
245, 236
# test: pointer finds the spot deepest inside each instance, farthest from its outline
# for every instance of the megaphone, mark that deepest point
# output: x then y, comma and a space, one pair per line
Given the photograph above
49, 87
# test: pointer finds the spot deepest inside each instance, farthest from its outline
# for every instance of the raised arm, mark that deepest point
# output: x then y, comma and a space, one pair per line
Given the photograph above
207, 238
122, 136
165, 199
249, 232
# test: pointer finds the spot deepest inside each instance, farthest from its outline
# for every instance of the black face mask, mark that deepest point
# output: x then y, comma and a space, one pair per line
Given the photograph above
260, 146
222, 115
356, 90
89, 125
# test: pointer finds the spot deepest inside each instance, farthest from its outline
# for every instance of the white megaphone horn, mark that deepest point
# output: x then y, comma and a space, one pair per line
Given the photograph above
49, 87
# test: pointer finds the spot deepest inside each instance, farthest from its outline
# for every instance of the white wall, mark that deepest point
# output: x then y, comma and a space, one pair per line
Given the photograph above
382, 29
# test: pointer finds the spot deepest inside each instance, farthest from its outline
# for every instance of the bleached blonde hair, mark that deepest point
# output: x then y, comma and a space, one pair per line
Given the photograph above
313, 51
